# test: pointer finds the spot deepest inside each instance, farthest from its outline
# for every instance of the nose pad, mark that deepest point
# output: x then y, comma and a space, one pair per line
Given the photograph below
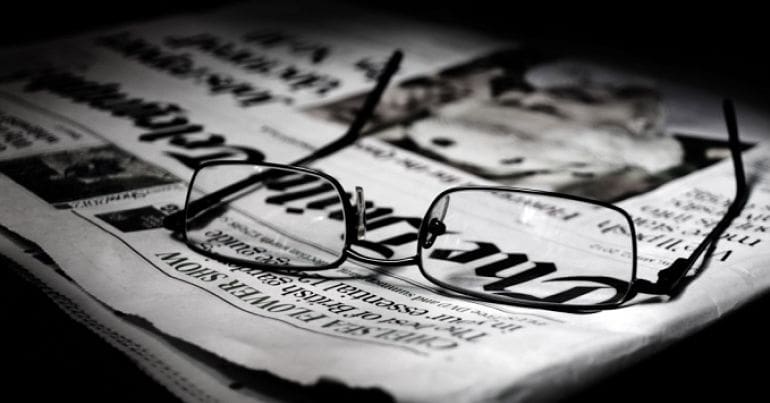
360, 213
436, 226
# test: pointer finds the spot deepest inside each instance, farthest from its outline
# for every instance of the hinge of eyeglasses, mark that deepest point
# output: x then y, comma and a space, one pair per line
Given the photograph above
668, 279
361, 217
174, 221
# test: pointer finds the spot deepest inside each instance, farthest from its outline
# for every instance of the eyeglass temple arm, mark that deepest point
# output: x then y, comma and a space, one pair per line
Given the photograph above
175, 221
669, 278
364, 114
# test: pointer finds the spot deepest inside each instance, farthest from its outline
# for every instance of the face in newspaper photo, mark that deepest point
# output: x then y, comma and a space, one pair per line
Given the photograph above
520, 118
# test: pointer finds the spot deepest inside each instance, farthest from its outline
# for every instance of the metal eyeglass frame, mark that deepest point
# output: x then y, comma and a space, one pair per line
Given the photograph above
668, 279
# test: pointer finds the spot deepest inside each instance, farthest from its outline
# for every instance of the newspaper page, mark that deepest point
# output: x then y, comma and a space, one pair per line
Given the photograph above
175, 368
101, 134
190, 373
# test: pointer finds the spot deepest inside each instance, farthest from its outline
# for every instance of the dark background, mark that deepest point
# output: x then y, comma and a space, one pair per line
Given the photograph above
46, 355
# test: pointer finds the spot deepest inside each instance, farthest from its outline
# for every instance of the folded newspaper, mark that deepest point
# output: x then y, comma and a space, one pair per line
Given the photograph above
100, 135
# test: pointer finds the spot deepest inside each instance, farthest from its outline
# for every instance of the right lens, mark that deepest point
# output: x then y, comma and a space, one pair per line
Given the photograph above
280, 217
528, 247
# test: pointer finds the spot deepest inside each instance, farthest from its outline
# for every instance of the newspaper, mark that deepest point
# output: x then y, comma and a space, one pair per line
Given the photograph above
101, 133
189, 378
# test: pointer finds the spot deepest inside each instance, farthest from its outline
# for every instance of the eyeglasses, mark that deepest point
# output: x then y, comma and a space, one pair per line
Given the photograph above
496, 243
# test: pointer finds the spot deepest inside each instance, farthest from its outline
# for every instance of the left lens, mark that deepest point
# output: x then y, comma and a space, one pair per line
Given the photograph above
528, 247
263, 215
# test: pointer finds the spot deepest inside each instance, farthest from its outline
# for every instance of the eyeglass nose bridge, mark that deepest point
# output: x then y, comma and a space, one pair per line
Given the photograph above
433, 230
360, 233
380, 262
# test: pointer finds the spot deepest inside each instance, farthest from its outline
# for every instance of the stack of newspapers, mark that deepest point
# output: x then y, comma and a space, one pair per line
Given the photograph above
100, 134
